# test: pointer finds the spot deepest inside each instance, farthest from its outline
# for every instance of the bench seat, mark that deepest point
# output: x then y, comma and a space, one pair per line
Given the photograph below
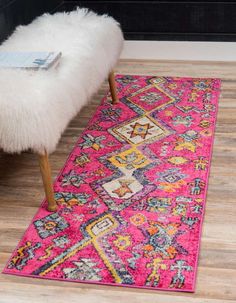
36, 106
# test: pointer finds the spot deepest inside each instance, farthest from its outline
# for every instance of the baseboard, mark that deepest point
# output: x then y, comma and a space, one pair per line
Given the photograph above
173, 50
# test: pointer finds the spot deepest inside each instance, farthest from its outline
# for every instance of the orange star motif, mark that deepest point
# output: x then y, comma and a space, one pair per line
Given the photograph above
123, 189
140, 130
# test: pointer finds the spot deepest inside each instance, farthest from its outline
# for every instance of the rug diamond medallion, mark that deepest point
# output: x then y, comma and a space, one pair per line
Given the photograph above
132, 193
141, 130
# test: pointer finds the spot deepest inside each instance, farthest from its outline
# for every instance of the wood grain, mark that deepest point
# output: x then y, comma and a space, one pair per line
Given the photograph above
21, 193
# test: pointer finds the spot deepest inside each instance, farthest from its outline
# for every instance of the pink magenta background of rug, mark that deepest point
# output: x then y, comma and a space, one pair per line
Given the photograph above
132, 193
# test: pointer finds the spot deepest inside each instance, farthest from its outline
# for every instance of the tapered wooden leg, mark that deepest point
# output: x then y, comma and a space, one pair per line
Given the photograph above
112, 84
47, 181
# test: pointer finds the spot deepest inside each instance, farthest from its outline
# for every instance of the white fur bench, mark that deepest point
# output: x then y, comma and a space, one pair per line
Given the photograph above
36, 107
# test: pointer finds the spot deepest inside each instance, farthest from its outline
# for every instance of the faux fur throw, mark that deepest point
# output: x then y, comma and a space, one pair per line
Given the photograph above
35, 107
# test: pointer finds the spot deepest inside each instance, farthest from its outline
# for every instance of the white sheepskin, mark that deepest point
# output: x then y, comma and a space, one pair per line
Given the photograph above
36, 107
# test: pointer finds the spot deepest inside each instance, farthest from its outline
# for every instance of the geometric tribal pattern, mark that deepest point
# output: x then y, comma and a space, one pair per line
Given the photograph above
132, 193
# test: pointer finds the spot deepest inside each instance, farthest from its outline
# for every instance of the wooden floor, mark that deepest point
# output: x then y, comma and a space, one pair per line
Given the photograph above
21, 194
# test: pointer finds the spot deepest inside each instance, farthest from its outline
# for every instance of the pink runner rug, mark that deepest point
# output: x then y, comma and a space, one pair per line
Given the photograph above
132, 193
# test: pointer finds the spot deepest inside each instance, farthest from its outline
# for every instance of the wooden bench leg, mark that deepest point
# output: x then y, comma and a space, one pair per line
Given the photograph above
112, 84
47, 181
